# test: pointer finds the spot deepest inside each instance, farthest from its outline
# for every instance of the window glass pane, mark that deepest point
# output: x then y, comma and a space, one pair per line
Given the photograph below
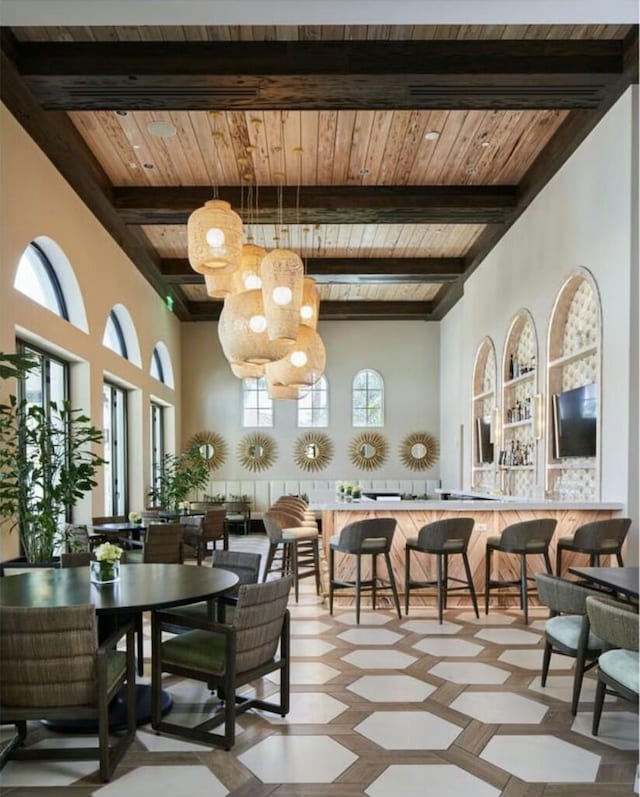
313, 407
257, 406
367, 399
114, 336
157, 445
156, 367
37, 279
115, 450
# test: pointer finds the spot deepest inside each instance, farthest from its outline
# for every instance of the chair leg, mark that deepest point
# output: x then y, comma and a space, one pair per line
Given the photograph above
407, 578
524, 602
472, 589
577, 681
487, 573
546, 661
331, 566
439, 585
558, 560
392, 581
315, 548
597, 707
547, 562
445, 580
358, 574
619, 558
140, 644
374, 580
293, 553
596, 560
270, 557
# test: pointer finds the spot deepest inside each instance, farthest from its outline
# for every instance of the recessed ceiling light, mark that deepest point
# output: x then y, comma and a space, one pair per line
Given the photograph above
471, 170
363, 171
161, 129
136, 146
121, 113
485, 144
432, 135
148, 165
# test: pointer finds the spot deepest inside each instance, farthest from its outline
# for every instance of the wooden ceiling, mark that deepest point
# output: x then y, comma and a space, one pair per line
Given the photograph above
393, 158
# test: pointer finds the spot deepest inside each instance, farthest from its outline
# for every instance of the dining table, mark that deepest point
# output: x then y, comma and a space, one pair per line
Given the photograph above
141, 587
622, 580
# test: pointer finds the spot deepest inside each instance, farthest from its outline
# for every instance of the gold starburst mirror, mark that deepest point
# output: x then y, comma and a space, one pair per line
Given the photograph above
257, 452
212, 448
419, 451
368, 450
313, 451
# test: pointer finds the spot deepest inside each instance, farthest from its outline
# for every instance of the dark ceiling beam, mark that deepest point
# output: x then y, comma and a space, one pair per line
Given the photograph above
58, 138
334, 270
460, 204
337, 311
498, 74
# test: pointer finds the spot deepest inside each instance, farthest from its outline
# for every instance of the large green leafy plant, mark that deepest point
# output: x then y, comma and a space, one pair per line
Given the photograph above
179, 475
46, 464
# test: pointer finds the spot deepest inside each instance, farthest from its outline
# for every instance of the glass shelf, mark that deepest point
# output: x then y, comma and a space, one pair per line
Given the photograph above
519, 379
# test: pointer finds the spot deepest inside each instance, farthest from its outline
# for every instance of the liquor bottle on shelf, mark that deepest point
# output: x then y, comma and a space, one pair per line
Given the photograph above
511, 366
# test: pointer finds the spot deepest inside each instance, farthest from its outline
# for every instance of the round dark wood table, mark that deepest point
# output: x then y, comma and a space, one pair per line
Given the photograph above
142, 587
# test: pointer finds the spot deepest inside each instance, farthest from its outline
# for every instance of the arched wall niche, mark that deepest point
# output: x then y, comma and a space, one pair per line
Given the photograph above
483, 417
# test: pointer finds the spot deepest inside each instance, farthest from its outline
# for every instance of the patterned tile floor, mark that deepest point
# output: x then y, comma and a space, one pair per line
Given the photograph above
388, 708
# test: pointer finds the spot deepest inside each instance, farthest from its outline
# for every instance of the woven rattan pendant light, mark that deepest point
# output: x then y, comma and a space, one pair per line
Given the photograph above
283, 392
303, 365
214, 238
282, 273
247, 370
242, 330
310, 305
248, 276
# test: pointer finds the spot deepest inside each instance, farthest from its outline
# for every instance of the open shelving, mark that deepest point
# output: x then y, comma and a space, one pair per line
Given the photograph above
483, 405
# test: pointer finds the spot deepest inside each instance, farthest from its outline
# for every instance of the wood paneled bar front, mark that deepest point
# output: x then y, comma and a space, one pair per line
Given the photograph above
490, 516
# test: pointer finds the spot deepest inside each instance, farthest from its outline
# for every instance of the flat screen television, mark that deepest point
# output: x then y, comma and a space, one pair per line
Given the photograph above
575, 420
484, 453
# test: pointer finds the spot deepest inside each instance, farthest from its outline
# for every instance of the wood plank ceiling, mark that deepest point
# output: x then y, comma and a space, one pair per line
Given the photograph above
393, 158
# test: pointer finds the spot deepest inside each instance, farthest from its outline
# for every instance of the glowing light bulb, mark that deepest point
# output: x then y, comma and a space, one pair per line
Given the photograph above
215, 237
306, 312
252, 281
257, 323
298, 358
282, 295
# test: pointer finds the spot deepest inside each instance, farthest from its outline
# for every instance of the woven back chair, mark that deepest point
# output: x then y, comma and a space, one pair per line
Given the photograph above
226, 656
597, 539
162, 545
567, 631
76, 559
619, 664
293, 549
53, 668
238, 513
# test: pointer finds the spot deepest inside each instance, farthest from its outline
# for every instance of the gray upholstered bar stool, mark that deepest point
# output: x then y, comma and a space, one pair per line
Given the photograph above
364, 537
443, 538
600, 538
523, 539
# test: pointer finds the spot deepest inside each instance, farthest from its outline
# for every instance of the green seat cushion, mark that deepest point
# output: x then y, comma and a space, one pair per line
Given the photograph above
134, 557
623, 666
116, 667
565, 629
199, 611
197, 650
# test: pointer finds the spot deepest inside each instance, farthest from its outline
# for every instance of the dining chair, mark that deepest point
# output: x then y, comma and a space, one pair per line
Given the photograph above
619, 664
238, 513
371, 537
523, 539
598, 538
226, 656
99, 520
567, 630
53, 668
292, 549
162, 544
442, 538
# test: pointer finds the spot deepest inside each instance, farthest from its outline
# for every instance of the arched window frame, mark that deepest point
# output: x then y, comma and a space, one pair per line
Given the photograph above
315, 406
47, 278
114, 338
363, 399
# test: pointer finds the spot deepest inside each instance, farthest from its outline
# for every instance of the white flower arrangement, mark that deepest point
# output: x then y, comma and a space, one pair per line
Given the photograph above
108, 552
135, 517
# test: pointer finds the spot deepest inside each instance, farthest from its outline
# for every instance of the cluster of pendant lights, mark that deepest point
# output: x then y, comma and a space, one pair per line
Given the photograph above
268, 326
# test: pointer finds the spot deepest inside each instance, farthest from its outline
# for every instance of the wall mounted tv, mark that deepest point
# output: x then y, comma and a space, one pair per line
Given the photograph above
575, 421
484, 450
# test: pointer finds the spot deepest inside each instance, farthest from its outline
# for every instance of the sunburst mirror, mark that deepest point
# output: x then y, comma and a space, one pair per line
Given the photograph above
368, 450
212, 448
313, 451
419, 451
257, 452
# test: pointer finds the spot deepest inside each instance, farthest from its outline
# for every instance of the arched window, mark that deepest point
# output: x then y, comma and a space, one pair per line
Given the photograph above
161, 365
367, 399
157, 371
313, 408
120, 335
114, 336
257, 407
37, 279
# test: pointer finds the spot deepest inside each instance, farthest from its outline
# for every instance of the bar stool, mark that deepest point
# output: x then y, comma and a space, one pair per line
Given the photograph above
443, 538
525, 538
372, 537
600, 538
298, 548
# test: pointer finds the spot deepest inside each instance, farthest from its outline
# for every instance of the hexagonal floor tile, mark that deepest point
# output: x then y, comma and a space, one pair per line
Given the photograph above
469, 672
187, 781
311, 627
560, 687
379, 659
370, 636
310, 647
307, 672
448, 647
312, 610
308, 707
409, 780
408, 730
617, 728
297, 759
486, 619
366, 618
162, 743
500, 707
532, 660
542, 759
48, 773
391, 688
508, 636
431, 627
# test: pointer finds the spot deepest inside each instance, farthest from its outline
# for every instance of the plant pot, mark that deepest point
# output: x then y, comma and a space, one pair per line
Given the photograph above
105, 572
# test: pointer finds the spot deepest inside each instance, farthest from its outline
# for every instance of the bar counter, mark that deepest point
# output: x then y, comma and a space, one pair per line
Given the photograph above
490, 516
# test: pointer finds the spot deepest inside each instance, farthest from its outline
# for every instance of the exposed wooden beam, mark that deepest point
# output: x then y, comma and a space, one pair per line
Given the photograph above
503, 74
347, 270
459, 204
337, 311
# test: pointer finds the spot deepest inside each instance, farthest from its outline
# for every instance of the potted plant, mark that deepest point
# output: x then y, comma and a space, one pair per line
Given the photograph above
180, 474
46, 464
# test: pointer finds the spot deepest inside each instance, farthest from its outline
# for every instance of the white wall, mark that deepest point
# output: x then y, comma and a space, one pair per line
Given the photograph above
583, 218
405, 353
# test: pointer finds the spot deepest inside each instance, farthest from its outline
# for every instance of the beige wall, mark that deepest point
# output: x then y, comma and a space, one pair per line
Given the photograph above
36, 201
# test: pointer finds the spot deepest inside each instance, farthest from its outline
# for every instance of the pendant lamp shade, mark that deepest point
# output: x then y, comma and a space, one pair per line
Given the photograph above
284, 392
303, 365
219, 286
214, 238
310, 303
248, 276
247, 370
282, 274
242, 329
